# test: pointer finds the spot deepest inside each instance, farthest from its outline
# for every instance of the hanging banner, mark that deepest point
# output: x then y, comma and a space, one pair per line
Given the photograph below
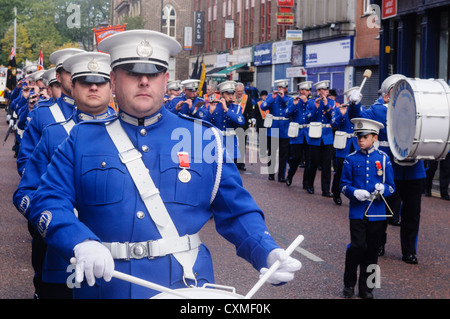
199, 20
103, 33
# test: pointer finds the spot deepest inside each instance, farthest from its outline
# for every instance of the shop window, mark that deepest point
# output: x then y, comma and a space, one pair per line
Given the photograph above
444, 44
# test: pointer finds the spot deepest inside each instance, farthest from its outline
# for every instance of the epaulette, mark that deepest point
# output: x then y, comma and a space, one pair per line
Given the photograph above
46, 103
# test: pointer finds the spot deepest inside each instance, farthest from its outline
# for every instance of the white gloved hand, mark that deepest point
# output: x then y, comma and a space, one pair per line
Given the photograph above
361, 194
287, 268
93, 260
8, 117
355, 97
379, 187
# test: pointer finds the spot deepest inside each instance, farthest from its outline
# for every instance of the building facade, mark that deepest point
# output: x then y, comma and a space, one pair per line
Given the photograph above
414, 38
167, 16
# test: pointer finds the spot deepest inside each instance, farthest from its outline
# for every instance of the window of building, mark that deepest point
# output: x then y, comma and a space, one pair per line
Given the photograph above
417, 51
169, 21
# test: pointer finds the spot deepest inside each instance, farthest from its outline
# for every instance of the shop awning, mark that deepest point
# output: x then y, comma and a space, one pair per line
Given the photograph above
231, 68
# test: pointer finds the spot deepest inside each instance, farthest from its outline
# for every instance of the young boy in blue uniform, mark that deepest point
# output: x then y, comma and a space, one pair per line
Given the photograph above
366, 175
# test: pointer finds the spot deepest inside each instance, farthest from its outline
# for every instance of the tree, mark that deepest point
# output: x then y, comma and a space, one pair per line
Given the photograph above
23, 48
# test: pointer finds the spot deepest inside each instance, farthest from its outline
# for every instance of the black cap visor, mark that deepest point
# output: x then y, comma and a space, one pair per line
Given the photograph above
142, 68
92, 79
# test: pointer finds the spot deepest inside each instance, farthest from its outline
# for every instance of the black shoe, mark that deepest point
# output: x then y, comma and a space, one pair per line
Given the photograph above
310, 190
348, 292
327, 194
242, 167
271, 177
445, 197
381, 250
365, 295
289, 181
282, 179
337, 201
427, 194
410, 259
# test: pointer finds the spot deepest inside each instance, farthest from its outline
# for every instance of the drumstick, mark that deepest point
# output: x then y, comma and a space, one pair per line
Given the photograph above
273, 268
142, 282
367, 74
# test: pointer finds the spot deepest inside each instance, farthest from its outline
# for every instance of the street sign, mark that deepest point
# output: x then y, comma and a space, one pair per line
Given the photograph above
285, 18
389, 9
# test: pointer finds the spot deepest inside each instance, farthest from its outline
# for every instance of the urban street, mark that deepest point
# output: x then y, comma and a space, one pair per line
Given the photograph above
289, 212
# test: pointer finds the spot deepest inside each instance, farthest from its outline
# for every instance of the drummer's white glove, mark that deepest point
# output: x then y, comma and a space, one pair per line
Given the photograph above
8, 117
379, 187
287, 268
361, 194
355, 97
93, 260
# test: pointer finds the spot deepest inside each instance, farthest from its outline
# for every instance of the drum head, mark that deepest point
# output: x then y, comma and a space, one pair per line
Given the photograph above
401, 120
200, 293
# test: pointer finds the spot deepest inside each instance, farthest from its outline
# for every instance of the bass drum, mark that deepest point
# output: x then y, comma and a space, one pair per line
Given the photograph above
418, 119
207, 291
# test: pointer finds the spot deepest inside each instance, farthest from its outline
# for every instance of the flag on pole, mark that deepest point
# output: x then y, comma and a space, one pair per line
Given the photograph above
195, 74
11, 79
202, 84
41, 61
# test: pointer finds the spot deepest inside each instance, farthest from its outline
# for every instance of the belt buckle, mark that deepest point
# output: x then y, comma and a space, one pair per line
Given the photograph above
129, 155
138, 251
149, 249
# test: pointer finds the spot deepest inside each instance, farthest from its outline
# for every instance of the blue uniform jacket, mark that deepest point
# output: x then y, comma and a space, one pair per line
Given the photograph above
297, 113
227, 122
378, 112
39, 119
192, 112
86, 173
277, 107
360, 172
322, 115
342, 123
54, 268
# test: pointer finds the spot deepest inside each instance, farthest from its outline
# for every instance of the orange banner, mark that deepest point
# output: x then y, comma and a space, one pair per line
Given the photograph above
103, 33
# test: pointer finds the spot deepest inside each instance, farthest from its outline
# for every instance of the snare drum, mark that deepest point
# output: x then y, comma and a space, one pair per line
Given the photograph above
418, 119
207, 291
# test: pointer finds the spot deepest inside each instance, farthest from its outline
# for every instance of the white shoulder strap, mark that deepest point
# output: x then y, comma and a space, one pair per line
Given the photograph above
68, 126
131, 157
57, 113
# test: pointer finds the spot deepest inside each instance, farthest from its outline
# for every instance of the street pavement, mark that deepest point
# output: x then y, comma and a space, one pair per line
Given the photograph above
289, 212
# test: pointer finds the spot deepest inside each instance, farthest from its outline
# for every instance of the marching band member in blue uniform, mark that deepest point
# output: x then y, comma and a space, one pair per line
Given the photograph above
296, 110
131, 181
345, 142
277, 132
227, 117
53, 86
189, 103
366, 174
91, 90
173, 91
409, 176
49, 112
318, 113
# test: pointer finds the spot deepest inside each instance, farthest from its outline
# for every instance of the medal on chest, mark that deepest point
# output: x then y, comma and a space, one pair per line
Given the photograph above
379, 169
184, 175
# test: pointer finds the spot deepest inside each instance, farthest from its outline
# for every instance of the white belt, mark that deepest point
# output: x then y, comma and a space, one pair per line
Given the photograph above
326, 125
280, 118
153, 248
229, 133
384, 143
